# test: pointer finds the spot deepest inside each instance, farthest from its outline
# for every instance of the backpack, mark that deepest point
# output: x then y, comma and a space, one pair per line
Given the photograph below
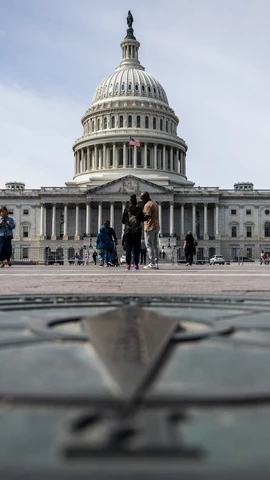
134, 225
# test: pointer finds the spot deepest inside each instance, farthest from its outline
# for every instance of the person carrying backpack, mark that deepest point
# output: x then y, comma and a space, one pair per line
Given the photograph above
132, 218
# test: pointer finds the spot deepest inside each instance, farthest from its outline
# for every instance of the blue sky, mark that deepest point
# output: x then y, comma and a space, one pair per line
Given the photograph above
211, 56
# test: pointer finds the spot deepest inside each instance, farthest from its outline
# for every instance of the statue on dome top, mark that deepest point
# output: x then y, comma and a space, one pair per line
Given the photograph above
130, 19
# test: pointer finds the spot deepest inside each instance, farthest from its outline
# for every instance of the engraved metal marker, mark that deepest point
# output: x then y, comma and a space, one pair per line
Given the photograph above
130, 341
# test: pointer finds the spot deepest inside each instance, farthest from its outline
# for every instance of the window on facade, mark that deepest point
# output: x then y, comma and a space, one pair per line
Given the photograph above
105, 122
25, 211
139, 157
129, 121
161, 124
266, 212
248, 212
143, 88
121, 121
129, 86
148, 158
10, 212
98, 124
111, 157
93, 126
234, 231
138, 122
146, 122
167, 126
267, 229
113, 122
25, 231
25, 252
136, 87
249, 231
154, 123
123, 87
120, 157
233, 212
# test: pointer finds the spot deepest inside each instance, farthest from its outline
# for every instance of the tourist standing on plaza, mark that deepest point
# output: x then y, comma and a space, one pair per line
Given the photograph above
151, 229
103, 245
7, 226
132, 218
189, 247
112, 235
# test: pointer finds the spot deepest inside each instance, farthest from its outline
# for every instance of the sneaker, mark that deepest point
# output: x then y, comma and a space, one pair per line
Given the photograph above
136, 267
157, 266
111, 264
106, 265
128, 267
9, 263
187, 264
2, 265
101, 264
149, 267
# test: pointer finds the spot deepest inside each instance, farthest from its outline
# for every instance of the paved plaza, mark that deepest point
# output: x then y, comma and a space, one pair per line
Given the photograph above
234, 279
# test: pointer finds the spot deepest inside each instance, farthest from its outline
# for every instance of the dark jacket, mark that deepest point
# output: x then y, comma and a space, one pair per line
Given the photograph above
103, 239
7, 230
137, 212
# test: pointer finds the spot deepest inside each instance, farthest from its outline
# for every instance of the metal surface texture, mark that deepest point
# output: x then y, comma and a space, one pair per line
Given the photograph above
134, 386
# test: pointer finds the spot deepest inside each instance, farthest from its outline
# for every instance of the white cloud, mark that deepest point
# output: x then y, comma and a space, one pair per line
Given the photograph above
36, 138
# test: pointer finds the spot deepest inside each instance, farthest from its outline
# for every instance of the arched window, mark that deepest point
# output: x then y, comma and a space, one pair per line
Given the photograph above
121, 121
267, 229
161, 124
143, 88
98, 124
93, 126
123, 86
168, 159
120, 157
113, 122
129, 121
146, 122
138, 121
129, 87
167, 126
139, 157
154, 123
105, 122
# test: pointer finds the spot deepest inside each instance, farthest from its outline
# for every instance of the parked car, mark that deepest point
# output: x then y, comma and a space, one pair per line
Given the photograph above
243, 259
217, 259
122, 259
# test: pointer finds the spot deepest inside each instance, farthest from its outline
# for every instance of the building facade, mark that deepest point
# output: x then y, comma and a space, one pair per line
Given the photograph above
131, 103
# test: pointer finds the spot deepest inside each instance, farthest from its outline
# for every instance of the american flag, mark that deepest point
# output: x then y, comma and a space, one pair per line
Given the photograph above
133, 141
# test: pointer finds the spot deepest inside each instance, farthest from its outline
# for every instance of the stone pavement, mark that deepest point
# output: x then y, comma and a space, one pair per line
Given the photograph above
247, 279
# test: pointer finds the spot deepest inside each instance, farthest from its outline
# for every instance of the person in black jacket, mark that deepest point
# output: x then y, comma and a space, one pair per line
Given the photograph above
189, 247
132, 218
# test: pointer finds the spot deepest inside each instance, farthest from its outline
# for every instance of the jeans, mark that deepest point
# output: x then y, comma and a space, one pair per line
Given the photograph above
133, 243
151, 241
102, 255
5, 248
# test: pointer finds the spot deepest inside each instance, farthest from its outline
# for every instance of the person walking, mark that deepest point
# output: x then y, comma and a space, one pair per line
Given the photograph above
151, 229
103, 244
94, 256
7, 226
113, 237
189, 246
132, 218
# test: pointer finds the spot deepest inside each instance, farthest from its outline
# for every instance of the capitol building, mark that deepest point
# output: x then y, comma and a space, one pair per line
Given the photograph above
131, 104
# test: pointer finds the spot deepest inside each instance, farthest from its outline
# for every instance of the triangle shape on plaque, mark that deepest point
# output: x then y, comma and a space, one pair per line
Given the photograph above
130, 341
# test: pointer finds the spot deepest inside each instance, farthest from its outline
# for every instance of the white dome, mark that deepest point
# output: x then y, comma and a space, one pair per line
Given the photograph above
133, 82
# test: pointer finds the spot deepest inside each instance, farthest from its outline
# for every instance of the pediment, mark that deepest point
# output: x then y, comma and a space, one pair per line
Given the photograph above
130, 184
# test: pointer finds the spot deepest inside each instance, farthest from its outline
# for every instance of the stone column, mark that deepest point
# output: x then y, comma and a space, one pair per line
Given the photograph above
171, 219
123, 206
65, 233
41, 232
155, 156
216, 220
99, 215
124, 155
112, 214
88, 159
182, 220
53, 237
95, 158
45, 222
194, 219
88, 219
164, 157
145, 155
75, 163
160, 216
114, 156
77, 236
205, 235
135, 156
